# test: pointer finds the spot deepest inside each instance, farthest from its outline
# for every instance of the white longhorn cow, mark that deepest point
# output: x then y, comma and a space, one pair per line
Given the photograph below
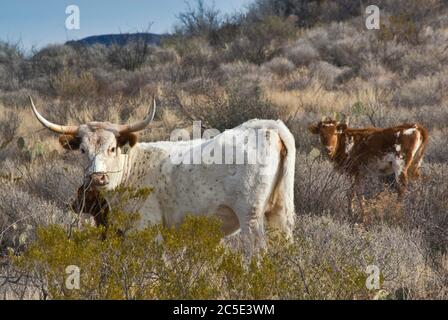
247, 195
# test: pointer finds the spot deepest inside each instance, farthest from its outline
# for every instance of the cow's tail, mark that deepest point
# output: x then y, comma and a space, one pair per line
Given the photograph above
283, 192
418, 158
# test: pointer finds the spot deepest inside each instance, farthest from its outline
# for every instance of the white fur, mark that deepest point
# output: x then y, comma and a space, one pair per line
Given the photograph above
409, 131
349, 143
241, 194
418, 143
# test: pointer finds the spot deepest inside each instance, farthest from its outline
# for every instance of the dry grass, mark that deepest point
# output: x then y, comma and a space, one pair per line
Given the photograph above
295, 74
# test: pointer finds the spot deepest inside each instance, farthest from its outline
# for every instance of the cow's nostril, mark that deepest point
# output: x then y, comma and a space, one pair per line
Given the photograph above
99, 179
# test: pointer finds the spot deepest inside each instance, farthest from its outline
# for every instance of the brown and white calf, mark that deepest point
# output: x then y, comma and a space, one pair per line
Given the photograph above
374, 151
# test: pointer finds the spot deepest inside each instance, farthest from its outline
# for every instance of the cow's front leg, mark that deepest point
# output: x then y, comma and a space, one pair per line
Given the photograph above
354, 194
357, 192
350, 198
402, 184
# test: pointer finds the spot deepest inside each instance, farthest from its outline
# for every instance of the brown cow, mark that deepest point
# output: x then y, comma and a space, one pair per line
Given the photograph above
379, 151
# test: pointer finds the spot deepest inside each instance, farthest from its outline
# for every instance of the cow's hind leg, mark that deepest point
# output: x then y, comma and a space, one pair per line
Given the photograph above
401, 167
280, 221
421, 143
414, 168
252, 231
356, 192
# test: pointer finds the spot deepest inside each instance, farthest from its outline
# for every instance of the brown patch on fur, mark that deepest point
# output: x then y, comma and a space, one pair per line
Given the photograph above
125, 138
275, 205
90, 201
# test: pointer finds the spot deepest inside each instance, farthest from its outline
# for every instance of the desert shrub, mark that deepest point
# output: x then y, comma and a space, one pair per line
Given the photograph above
69, 85
301, 53
341, 44
280, 66
118, 84
198, 20
407, 19
378, 75
327, 260
198, 62
20, 214
132, 55
400, 28
225, 108
189, 262
227, 32
244, 72
9, 123
12, 66
384, 207
319, 189
426, 208
162, 56
308, 13
261, 41
16, 99
424, 90
52, 60
399, 253
436, 150
53, 180
422, 62
328, 74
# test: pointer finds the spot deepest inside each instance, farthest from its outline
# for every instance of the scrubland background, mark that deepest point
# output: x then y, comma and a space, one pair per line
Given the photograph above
289, 59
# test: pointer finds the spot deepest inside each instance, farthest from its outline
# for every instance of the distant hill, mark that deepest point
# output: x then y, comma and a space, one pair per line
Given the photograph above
120, 39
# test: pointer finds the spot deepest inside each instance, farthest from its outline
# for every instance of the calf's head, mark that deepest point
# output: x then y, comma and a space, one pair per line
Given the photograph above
330, 132
101, 145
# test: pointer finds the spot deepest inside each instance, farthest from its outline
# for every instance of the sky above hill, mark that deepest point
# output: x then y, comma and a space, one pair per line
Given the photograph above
38, 23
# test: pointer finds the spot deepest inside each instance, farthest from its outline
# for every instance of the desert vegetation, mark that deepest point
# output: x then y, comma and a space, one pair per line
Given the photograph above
292, 60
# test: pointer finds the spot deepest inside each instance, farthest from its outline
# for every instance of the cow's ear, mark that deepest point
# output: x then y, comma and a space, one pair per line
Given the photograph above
70, 142
314, 129
341, 127
127, 138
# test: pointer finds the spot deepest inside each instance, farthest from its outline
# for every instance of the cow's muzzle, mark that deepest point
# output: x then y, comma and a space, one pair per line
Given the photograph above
99, 179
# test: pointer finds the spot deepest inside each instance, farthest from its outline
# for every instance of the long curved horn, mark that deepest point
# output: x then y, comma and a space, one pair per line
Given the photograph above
137, 126
53, 127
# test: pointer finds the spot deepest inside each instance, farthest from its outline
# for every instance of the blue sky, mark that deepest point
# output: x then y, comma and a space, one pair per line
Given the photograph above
38, 23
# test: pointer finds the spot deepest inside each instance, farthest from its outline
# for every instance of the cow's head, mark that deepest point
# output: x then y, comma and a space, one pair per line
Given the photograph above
330, 131
101, 144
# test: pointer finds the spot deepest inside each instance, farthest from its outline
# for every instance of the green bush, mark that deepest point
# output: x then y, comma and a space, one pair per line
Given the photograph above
187, 262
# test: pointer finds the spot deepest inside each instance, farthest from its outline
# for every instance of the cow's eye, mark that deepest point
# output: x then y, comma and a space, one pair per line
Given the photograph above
112, 149
83, 151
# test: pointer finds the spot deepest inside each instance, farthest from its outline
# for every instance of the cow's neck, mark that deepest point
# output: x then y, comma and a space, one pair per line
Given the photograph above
127, 178
130, 166
340, 157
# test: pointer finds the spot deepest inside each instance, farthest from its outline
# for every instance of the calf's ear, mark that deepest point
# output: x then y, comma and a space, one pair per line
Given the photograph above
314, 129
70, 142
127, 138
